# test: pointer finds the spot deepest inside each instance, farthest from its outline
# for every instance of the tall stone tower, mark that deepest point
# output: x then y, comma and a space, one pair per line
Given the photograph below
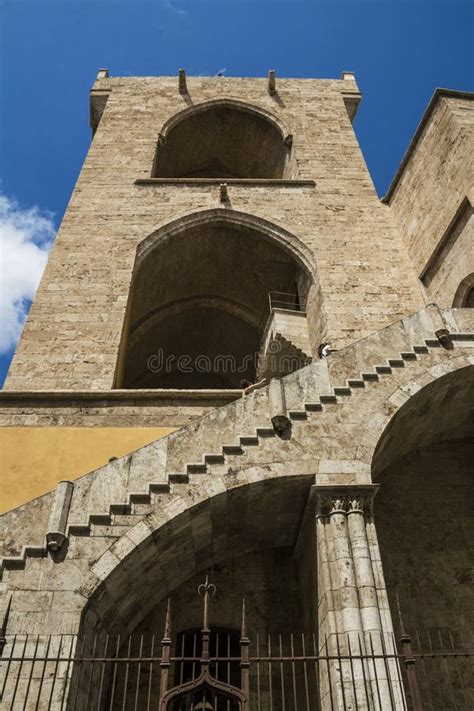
234, 346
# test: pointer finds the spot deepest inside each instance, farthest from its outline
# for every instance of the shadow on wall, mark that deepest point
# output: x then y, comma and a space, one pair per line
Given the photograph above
425, 527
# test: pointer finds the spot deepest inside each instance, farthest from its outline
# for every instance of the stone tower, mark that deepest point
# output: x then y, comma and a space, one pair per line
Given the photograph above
234, 347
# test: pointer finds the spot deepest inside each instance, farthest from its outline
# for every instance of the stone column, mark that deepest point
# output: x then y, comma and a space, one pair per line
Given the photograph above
353, 612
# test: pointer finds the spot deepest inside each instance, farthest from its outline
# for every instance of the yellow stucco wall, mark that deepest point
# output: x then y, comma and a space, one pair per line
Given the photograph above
34, 459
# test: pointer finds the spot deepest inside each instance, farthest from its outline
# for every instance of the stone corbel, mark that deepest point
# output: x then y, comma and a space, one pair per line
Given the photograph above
277, 405
442, 334
439, 326
183, 89
57, 524
271, 82
223, 193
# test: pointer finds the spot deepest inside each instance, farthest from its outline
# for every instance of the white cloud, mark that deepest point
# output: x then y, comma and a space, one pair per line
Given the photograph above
26, 236
169, 6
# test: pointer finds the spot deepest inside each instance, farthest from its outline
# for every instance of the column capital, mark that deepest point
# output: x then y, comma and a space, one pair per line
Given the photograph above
345, 499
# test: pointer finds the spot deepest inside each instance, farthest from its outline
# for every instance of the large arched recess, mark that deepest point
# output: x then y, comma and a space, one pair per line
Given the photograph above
223, 138
199, 299
243, 536
424, 509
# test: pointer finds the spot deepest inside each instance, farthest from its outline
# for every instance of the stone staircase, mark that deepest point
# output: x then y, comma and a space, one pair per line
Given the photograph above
285, 358
122, 515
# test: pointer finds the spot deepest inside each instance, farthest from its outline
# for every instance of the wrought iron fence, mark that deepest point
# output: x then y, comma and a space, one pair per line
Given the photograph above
215, 669
285, 673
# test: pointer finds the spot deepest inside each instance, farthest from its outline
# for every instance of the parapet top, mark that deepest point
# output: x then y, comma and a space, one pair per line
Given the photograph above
271, 77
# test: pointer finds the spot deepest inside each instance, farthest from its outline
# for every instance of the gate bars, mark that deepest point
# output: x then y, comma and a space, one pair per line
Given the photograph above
268, 673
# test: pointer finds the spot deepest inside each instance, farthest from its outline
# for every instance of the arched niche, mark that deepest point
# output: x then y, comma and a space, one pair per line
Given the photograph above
199, 300
423, 463
223, 139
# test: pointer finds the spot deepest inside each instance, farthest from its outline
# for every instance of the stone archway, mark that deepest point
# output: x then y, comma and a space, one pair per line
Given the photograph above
176, 542
223, 138
423, 465
243, 537
200, 300
464, 296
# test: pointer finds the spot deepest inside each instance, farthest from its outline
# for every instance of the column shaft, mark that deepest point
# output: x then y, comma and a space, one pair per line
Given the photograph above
354, 619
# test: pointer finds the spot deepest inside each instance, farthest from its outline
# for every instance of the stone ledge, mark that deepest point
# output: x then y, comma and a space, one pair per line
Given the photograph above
124, 397
248, 182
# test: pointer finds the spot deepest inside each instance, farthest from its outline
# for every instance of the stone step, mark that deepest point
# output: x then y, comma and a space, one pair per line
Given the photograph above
197, 468
265, 432
432, 343
159, 488
356, 384
100, 519
313, 407
370, 377
342, 391
120, 508
232, 449
178, 478
14, 562
297, 414
249, 441
214, 458
328, 399
79, 529
396, 363
140, 498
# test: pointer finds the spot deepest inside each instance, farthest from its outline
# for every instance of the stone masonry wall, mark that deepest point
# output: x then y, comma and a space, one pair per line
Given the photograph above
336, 444
71, 339
48, 410
433, 197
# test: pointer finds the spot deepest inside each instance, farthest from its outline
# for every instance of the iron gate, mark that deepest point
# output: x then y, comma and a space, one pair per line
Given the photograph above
210, 669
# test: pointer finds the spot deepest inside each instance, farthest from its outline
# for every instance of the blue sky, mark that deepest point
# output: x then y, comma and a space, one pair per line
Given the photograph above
50, 50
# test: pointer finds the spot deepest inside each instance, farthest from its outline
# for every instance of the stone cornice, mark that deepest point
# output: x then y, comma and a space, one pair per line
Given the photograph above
111, 397
249, 182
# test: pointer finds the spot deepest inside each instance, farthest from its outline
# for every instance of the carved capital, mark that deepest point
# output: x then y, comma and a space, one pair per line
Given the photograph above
345, 500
